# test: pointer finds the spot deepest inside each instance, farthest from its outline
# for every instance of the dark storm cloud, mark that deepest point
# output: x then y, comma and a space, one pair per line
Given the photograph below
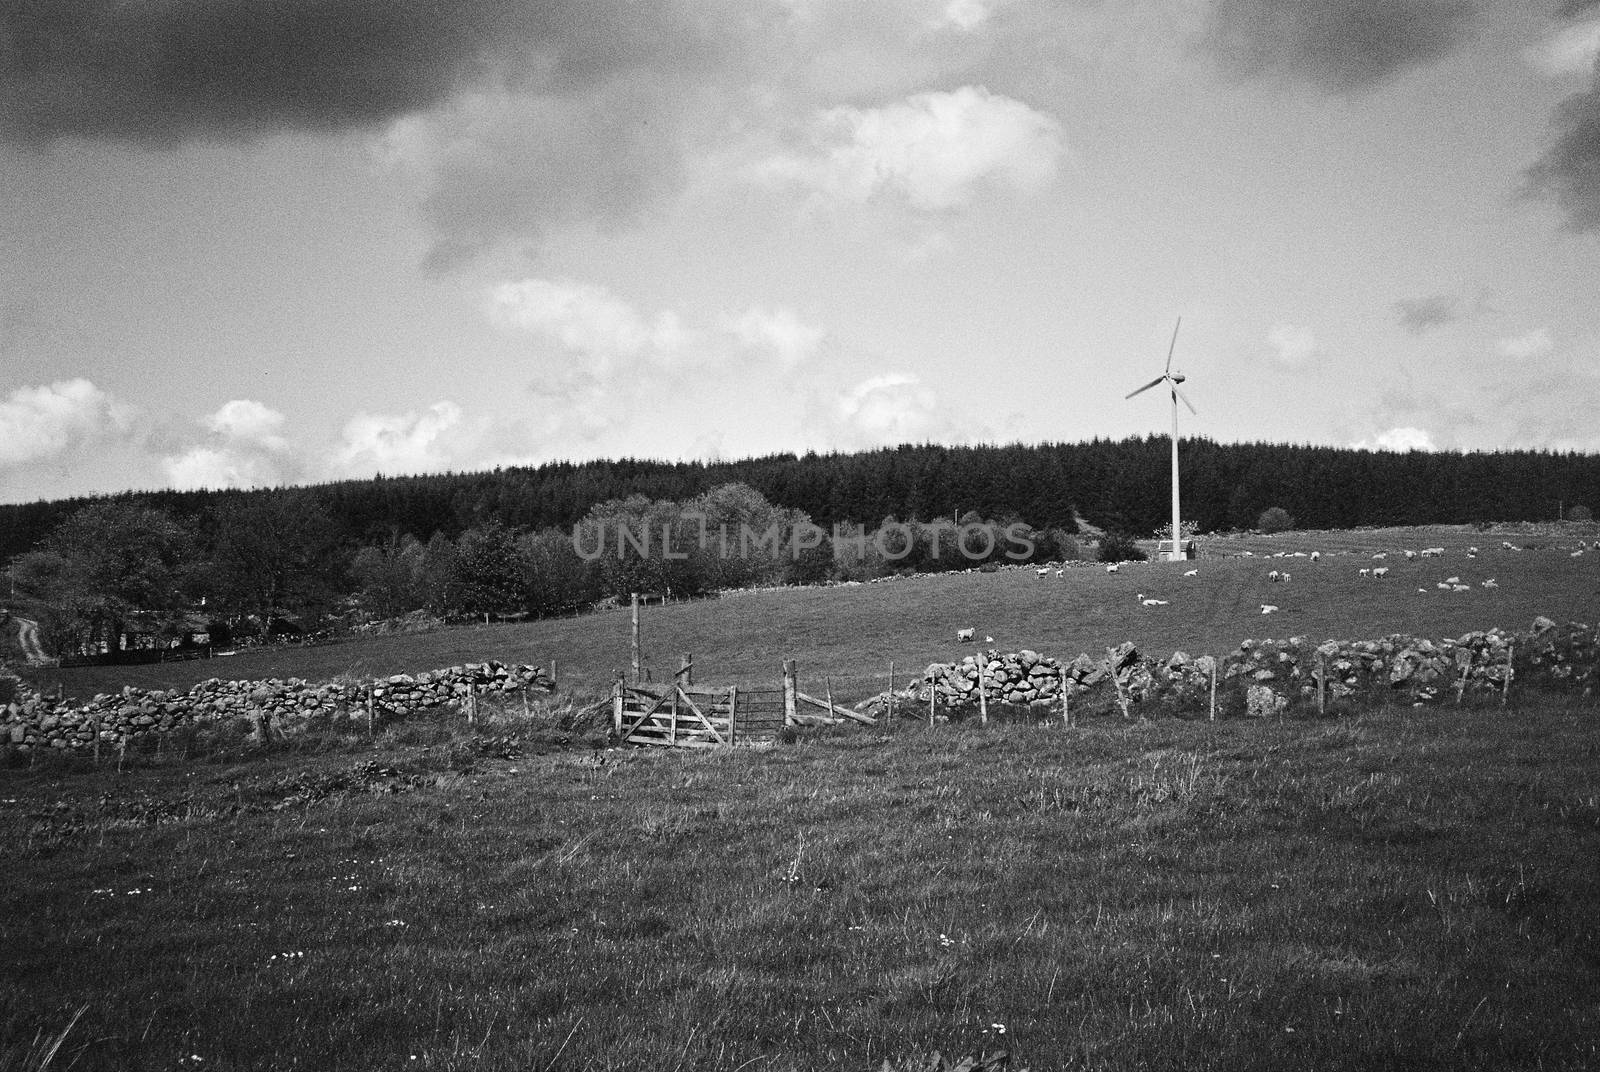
1342, 45
1418, 315
1569, 171
164, 71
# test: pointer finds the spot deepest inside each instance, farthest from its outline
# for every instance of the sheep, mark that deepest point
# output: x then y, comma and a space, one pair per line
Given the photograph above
1381, 571
1275, 576
1432, 552
1380, 556
1285, 577
964, 635
1150, 602
1452, 580
1315, 555
1191, 573
1112, 568
1366, 573
1268, 608
1461, 587
1490, 582
1578, 553
1411, 555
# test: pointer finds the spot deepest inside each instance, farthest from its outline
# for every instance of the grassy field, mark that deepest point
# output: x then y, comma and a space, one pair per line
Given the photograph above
1413, 890
849, 635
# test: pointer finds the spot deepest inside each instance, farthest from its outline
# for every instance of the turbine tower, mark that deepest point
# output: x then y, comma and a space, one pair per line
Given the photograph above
1172, 379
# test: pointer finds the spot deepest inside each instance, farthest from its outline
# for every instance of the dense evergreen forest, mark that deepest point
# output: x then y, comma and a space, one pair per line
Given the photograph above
1120, 485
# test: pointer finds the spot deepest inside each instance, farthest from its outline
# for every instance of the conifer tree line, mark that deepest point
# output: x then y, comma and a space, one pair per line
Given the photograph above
157, 564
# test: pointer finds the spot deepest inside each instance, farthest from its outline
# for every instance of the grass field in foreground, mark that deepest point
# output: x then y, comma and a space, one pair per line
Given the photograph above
850, 634
1411, 889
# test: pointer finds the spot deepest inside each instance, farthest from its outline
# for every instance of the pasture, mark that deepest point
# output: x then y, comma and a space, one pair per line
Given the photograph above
1404, 889
849, 634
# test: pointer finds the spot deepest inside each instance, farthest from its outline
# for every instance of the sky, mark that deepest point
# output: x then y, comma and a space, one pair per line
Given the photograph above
248, 243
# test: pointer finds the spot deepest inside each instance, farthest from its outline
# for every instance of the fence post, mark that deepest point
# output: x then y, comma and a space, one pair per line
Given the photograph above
788, 692
686, 669
617, 703
635, 636
369, 709
555, 665
1505, 684
1322, 684
932, 692
472, 701
733, 713
1066, 700
1213, 690
889, 717
983, 689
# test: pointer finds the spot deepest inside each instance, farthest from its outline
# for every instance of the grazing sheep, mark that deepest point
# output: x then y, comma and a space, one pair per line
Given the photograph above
1366, 573
1411, 554
1284, 577
1150, 602
1113, 567
963, 635
1381, 571
1380, 556
1268, 608
1191, 573
1452, 580
1577, 553
1432, 552
1490, 582
1274, 576
1315, 555
1461, 587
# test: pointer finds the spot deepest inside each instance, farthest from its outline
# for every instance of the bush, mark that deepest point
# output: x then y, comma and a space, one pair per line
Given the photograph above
1275, 519
1580, 512
1120, 547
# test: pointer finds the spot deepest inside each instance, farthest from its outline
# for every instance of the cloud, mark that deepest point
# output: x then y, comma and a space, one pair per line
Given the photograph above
38, 423
245, 449
401, 443
1420, 315
1573, 8
777, 333
1569, 171
1291, 345
1535, 343
165, 72
887, 410
934, 150
1568, 51
1402, 438
1340, 45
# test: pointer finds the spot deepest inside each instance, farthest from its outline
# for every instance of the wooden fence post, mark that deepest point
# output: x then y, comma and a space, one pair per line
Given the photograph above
472, 701
1505, 684
1066, 700
733, 713
635, 635
983, 689
1213, 690
1322, 684
617, 703
686, 669
369, 709
789, 689
932, 692
889, 718
555, 665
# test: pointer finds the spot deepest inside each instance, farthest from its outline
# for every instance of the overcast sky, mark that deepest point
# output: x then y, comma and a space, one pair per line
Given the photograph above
254, 242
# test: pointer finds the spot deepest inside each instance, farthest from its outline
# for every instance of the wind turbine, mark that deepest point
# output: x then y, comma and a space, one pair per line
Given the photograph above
1173, 379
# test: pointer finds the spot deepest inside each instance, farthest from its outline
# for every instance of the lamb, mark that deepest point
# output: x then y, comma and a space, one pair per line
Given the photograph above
1043, 571
1366, 573
963, 635
1274, 576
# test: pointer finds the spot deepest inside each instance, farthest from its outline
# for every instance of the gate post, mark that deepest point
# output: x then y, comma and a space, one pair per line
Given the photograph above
616, 704
788, 692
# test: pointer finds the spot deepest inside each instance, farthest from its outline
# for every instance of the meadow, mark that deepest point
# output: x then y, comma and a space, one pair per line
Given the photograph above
1410, 888
848, 635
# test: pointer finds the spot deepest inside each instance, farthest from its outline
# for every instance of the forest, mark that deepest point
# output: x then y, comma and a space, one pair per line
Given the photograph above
146, 569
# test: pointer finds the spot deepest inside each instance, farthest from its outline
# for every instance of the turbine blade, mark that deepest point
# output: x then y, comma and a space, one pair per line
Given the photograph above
1174, 345
1153, 383
1186, 401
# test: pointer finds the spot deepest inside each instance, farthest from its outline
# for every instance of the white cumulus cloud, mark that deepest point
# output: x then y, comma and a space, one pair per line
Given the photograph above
1398, 439
1535, 343
245, 448
936, 150
1568, 51
889, 409
401, 443
777, 333
42, 422
1291, 345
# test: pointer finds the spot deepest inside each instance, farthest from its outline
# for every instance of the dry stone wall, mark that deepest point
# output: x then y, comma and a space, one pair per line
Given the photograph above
1265, 677
285, 706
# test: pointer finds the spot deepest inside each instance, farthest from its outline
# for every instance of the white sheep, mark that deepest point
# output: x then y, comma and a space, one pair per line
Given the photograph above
1150, 602
964, 635
1490, 582
1380, 556
1191, 573
1381, 571
1366, 573
1315, 555
1113, 567
1268, 608
1285, 577
1411, 554
1274, 576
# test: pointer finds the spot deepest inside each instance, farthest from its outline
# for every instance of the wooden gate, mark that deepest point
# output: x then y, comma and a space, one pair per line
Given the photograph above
683, 716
